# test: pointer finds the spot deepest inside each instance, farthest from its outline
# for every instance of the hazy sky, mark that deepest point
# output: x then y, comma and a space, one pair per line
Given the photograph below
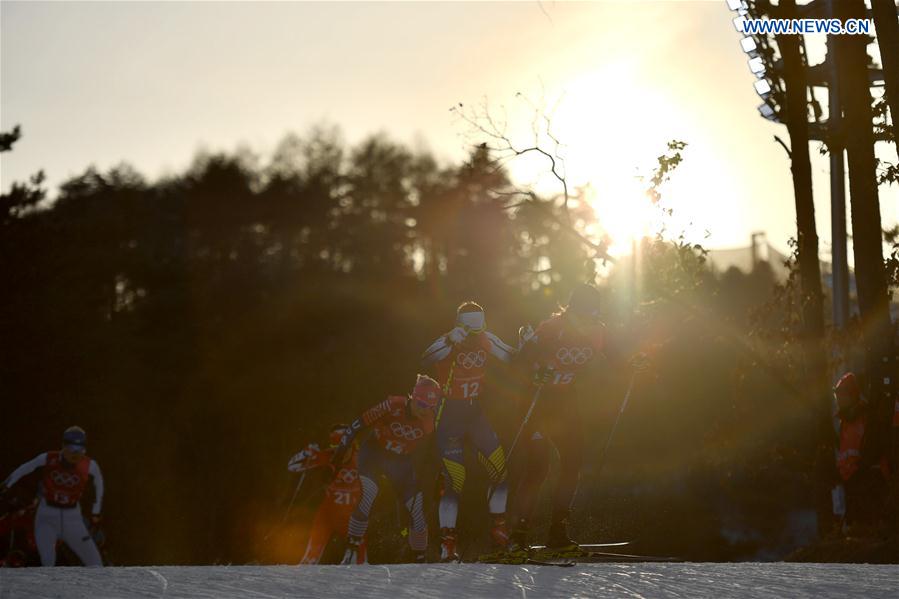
151, 83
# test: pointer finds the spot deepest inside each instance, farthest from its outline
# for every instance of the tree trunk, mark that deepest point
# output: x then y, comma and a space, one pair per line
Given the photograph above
887, 24
815, 381
807, 235
870, 275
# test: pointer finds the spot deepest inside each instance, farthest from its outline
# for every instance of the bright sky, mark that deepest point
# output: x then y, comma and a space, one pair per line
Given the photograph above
151, 83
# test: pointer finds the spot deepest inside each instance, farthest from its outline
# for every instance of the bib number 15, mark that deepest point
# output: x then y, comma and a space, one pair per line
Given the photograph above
563, 378
393, 446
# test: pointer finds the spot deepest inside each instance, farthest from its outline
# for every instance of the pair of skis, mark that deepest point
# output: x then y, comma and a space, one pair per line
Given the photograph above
539, 555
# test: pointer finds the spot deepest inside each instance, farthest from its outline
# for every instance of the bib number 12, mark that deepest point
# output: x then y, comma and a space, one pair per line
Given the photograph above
470, 389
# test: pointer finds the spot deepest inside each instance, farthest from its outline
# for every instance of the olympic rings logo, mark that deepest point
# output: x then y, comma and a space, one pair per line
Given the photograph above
65, 479
348, 476
406, 431
472, 359
574, 355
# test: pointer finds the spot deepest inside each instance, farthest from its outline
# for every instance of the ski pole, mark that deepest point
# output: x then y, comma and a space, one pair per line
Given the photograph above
12, 543
521, 428
294, 498
289, 506
524, 423
627, 397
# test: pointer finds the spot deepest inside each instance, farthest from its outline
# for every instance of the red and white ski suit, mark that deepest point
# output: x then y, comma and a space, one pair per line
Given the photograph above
565, 351
333, 514
59, 514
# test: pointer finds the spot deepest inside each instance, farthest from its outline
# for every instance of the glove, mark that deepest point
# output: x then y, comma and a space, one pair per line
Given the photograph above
639, 362
544, 375
345, 442
298, 462
457, 335
525, 335
341, 450
96, 519
97, 535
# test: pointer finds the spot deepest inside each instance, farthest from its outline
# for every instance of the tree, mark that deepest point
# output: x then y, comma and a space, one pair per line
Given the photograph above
796, 87
873, 298
886, 22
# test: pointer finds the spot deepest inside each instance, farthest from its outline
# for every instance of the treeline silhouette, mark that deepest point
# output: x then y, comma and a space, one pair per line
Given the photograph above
205, 326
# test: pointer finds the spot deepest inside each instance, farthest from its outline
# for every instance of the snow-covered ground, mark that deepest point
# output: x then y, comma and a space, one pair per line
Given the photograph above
469, 580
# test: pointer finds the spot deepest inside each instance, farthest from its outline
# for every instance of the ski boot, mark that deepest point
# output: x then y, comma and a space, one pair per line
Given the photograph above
510, 549
499, 533
351, 555
419, 557
448, 545
518, 539
558, 543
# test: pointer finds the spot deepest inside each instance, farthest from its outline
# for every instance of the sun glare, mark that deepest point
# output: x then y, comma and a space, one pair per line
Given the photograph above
624, 213
611, 122
613, 126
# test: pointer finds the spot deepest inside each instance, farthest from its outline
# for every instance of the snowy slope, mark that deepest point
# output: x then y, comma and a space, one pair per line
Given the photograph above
469, 580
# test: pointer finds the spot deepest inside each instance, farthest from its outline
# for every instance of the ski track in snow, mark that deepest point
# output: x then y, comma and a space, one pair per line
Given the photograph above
685, 580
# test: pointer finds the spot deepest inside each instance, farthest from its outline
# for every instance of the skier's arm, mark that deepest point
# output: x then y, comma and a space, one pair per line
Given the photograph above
368, 417
437, 351
25, 469
94, 471
500, 349
378, 411
310, 457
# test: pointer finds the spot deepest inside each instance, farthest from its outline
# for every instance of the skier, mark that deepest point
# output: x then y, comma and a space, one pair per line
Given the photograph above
17, 545
556, 354
59, 517
341, 494
460, 359
863, 479
399, 425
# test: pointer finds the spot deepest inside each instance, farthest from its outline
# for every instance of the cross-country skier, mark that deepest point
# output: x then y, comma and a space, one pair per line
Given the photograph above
460, 359
399, 425
556, 353
17, 545
65, 477
342, 493
861, 474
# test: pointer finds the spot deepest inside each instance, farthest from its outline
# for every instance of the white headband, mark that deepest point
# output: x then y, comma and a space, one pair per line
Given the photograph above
473, 321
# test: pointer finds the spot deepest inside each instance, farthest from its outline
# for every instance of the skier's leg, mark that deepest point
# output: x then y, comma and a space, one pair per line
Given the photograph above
536, 450
569, 441
340, 522
567, 436
369, 470
493, 458
79, 540
450, 436
47, 525
401, 472
319, 536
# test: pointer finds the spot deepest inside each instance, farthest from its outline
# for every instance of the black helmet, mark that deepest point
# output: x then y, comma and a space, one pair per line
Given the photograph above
584, 301
74, 435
